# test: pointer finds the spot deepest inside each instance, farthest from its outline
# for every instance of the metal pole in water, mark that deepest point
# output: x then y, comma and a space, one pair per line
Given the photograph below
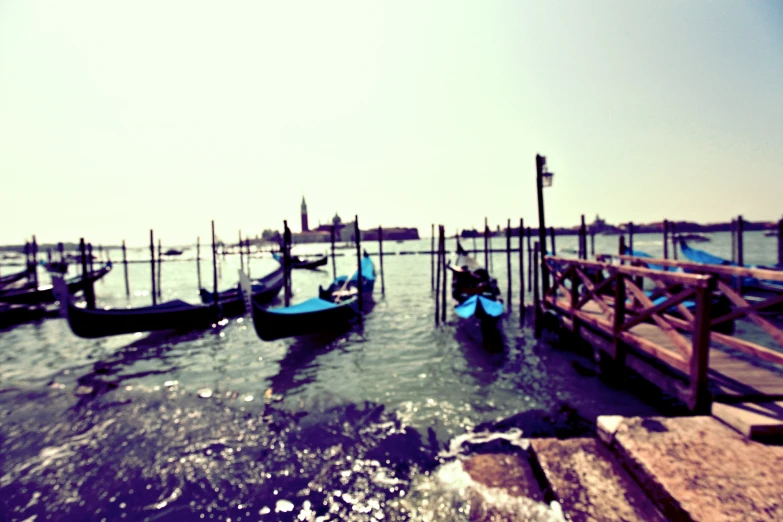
665, 239
198, 261
334, 264
437, 284
521, 271
443, 283
486, 244
90, 295
508, 262
160, 270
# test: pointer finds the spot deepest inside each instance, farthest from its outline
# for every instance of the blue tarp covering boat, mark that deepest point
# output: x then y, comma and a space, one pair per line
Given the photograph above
479, 306
339, 288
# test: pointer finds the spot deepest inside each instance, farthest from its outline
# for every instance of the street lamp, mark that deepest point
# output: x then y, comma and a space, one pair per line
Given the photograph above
544, 178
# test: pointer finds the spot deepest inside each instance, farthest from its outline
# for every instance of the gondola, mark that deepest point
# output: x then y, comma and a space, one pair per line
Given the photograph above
298, 262
749, 284
343, 287
173, 315
476, 293
44, 293
263, 290
12, 278
311, 316
57, 267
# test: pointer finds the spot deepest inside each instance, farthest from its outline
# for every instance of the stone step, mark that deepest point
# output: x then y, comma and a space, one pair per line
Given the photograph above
696, 468
589, 483
757, 421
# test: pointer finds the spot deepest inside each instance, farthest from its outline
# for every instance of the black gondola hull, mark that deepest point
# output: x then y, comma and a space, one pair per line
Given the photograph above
45, 293
271, 326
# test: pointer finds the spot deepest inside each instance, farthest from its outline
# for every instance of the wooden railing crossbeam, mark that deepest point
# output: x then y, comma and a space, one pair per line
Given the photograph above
599, 299
758, 273
736, 299
591, 292
679, 341
743, 311
657, 309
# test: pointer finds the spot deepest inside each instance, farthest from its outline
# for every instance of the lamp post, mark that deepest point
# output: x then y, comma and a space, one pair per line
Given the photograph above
543, 179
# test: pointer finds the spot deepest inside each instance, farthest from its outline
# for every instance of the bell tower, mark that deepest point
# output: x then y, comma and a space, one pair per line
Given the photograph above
304, 216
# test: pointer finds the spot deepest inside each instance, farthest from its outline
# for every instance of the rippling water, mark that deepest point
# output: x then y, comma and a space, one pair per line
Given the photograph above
366, 425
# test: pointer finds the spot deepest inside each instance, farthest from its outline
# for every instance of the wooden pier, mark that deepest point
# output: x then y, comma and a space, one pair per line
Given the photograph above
671, 334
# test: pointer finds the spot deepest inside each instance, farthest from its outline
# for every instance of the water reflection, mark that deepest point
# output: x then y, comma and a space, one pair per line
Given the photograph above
485, 349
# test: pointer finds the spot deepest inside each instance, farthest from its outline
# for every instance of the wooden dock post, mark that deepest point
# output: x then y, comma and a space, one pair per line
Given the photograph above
125, 267
475, 248
432, 256
89, 288
673, 234
48, 255
583, 239
554, 250
486, 244
86, 287
443, 272
359, 280
665, 239
621, 247
780, 243
152, 268
619, 318
334, 264
536, 299
437, 282
508, 264
699, 399
380, 255
630, 237
214, 267
160, 270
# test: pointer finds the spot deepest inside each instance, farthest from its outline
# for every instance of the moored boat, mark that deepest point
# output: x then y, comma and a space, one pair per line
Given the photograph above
232, 301
343, 287
476, 293
298, 262
173, 315
45, 294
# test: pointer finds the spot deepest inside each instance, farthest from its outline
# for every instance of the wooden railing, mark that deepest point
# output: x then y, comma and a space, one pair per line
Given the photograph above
738, 306
610, 298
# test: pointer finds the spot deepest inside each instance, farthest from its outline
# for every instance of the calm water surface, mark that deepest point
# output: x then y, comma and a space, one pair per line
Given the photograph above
219, 425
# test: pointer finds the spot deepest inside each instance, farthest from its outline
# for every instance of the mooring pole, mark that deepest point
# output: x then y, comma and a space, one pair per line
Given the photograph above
583, 238
536, 298
432, 256
34, 249
740, 241
214, 267
780, 243
160, 270
673, 234
90, 288
443, 283
486, 244
630, 237
508, 263
529, 258
437, 282
125, 267
247, 256
359, 279
665, 239
198, 261
334, 265
733, 230
552, 237
380, 255
241, 255
286, 266
152, 268
521, 235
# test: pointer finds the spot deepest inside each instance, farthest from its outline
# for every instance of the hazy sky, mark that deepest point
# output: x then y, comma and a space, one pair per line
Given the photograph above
116, 117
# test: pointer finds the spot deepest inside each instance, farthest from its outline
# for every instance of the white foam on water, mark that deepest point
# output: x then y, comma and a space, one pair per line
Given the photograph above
513, 436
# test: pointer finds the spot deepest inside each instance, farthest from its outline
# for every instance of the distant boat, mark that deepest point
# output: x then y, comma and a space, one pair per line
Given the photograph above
298, 262
172, 252
771, 233
45, 294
